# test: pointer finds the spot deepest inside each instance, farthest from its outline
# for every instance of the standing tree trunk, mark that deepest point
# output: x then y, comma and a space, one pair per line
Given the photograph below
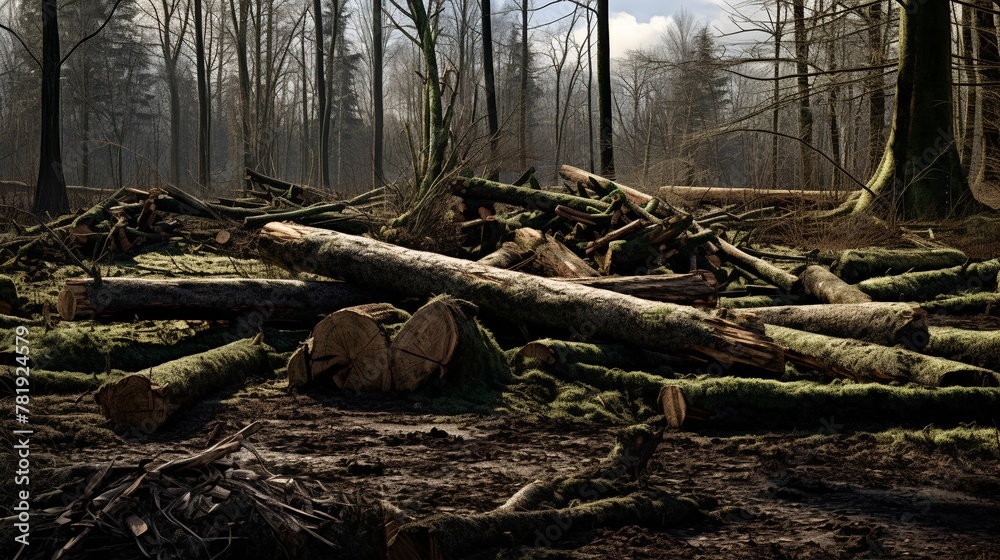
920, 175
50, 188
604, 89
378, 118
590, 90
323, 103
523, 129
805, 113
777, 94
876, 87
240, 18
989, 74
969, 121
204, 102
491, 89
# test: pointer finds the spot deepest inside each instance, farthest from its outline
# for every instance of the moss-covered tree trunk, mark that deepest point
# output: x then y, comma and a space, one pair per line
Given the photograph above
921, 175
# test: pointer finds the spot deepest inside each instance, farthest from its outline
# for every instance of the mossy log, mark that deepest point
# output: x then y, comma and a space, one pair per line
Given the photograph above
722, 196
8, 295
210, 298
563, 353
44, 382
758, 267
525, 197
695, 288
350, 348
979, 348
509, 255
887, 324
926, 285
296, 215
657, 326
823, 285
443, 341
872, 362
753, 302
587, 180
551, 258
753, 404
855, 265
981, 303
448, 536
146, 399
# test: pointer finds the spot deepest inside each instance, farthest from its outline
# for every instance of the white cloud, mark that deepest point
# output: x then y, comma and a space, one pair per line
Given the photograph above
627, 33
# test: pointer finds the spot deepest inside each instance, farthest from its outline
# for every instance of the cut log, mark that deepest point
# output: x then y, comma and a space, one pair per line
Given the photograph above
349, 348
921, 286
872, 362
978, 348
551, 258
820, 283
44, 382
443, 340
525, 197
588, 180
508, 255
982, 303
146, 399
724, 196
758, 267
209, 298
696, 288
887, 324
855, 265
811, 406
755, 301
657, 326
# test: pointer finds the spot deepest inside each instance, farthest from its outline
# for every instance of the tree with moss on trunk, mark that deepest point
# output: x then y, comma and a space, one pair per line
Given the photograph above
920, 175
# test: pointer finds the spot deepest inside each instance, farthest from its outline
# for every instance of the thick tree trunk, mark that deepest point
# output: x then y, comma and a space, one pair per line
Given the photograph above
655, 326
215, 298
988, 61
920, 174
855, 265
926, 285
146, 399
378, 124
697, 288
888, 324
722, 196
876, 84
613, 356
50, 188
874, 363
492, 120
979, 348
204, 102
802, 81
818, 282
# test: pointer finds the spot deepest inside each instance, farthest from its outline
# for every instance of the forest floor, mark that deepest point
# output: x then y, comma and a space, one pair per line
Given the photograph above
833, 489
838, 491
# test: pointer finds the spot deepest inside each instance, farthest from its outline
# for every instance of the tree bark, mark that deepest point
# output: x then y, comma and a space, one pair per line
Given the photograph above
874, 363
818, 282
888, 324
855, 265
655, 326
926, 285
978, 348
146, 399
526, 197
551, 258
204, 102
802, 81
492, 119
215, 298
697, 288
988, 61
378, 124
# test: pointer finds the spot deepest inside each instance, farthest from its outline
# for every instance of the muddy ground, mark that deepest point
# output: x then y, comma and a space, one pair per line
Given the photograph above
833, 491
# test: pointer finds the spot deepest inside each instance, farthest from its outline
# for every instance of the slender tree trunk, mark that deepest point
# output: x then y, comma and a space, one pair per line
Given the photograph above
240, 20
777, 95
305, 165
50, 188
377, 71
920, 175
876, 87
523, 129
590, 90
805, 112
323, 105
989, 74
204, 102
85, 132
604, 89
491, 89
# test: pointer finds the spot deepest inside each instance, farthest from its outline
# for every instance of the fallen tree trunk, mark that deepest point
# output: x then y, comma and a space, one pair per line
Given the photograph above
562, 353
551, 258
758, 267
350, 348
509, 255
920, 286
823, 285
214, 298
695, 288
146, 399
663, 327
872, 362
982, 303
452, 536
722, 196
887, 324
980, 348
523, 196
755, 404
855, 265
